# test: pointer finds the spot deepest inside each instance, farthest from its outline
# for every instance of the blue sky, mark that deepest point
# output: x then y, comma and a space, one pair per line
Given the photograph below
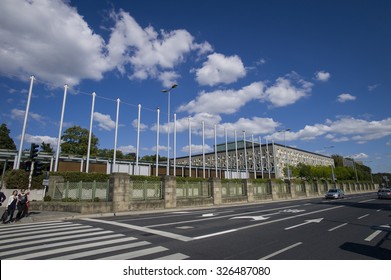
320, 68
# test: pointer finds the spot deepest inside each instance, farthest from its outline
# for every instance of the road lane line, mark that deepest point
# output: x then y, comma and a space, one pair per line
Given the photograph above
214, 234
281, 251
136, 254
337, 227
268, 222
224, 217
366, 215
373, 235
174, 257
365, 201
144, 229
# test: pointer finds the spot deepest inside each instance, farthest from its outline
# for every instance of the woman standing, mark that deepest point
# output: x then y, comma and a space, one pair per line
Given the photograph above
11, 206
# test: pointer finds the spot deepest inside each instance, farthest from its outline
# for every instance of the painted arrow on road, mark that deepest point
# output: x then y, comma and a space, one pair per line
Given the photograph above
306, 222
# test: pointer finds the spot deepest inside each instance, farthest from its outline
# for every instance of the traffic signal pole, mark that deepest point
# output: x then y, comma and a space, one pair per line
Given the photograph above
31, 174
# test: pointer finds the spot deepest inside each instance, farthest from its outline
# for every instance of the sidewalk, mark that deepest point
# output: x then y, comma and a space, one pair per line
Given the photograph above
42, 216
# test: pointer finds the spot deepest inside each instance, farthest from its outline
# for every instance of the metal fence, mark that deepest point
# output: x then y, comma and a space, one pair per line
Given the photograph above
233, 189
262, 190
146, 190
193, 189
81, 191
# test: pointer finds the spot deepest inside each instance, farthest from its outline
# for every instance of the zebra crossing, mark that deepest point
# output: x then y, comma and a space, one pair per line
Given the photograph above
66, 240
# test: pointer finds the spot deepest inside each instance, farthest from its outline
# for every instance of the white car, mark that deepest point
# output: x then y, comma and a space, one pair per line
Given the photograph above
334, 193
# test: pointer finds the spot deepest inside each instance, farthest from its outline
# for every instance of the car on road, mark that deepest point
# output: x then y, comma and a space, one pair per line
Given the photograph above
334, 193
384, 193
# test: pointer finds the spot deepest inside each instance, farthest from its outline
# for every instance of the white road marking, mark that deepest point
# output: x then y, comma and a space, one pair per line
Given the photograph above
254, 218
215, 234
366, 215
72, 248
268, 222
144, 229
177, 256
136, 254
306, 222
337, 227
281, 251
366, 201
373, 235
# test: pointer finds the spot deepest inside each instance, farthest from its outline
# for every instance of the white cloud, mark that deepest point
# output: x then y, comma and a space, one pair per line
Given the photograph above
359, 156
104, 121
146, 51
341, 130
342, 98
197, 149
59, 46
373, 87
322, 76
288, 90
127, 149
223, 101
17, 114
49, 45
143, 127
37, 139
220, 69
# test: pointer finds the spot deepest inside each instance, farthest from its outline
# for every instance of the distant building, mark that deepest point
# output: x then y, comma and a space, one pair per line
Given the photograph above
236, 160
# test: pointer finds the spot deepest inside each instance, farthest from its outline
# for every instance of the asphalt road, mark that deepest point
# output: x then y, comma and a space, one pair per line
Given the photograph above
354, 228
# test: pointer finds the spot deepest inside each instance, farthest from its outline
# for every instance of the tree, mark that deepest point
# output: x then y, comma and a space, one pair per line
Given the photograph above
76, 142
46, 148
6, 142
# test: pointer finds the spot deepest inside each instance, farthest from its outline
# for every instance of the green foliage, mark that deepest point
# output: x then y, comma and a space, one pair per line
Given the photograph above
81, 176
6, 142
19, 179
152, 158
46, 148
47, 198
76, 142
144, 178
190, 179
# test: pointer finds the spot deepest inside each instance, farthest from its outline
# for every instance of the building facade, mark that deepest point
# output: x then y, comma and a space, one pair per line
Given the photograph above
245, 159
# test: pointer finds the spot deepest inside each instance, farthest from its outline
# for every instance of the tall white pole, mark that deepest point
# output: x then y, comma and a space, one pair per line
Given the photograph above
226, 150
189, 147
116, 134
168, 135
203, 149
245, 152
236, 153
26, 113
60, 129
260, 154
138, 138
157, 141
216, 150
254, 163
174, 144
90, 132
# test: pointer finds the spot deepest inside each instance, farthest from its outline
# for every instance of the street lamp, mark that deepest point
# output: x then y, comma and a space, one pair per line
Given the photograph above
332, 167
287, 160
169, 124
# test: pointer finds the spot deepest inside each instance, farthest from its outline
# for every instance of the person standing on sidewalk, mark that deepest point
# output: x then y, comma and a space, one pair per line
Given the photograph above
11, 206
22, 205
2, 197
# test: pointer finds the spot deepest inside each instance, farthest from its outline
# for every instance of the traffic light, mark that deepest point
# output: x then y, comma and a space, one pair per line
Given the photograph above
27, 166
38, 166
33, 151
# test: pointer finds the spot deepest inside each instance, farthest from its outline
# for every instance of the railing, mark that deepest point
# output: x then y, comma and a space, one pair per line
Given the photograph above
233, 189
81, 191
146, 190
193, 189
262, 190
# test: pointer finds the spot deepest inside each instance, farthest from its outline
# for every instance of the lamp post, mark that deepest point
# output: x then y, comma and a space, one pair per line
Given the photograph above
332, 167
169, 124
286, 151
